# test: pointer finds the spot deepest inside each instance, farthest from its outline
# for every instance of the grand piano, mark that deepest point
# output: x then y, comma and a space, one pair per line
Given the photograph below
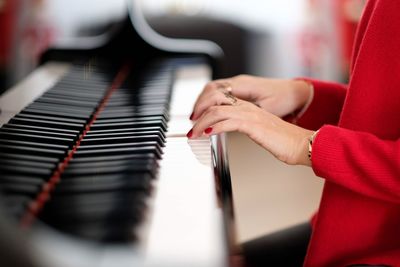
95, 167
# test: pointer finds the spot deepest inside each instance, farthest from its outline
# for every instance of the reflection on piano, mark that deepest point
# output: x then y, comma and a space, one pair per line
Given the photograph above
94, 163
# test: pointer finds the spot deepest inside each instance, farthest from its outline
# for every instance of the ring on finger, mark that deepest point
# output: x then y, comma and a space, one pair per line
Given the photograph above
226, 89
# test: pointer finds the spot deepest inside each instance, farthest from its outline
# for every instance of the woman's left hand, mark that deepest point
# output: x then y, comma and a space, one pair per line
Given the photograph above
287, 142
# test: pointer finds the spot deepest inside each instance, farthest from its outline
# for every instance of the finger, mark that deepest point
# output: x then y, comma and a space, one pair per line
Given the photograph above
210, 96
228, 125
213, 115
215, 98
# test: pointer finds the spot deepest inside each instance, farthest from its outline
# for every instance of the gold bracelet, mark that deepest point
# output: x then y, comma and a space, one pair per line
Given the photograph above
310, 142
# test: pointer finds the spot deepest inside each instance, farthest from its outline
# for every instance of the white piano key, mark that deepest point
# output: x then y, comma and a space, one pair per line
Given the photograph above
187, 226
38, 82
187, 86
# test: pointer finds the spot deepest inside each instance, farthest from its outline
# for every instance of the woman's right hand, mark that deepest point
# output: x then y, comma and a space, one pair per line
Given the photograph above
277, 96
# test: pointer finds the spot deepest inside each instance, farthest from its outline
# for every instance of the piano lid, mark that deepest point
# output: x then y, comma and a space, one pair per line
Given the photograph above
132, 37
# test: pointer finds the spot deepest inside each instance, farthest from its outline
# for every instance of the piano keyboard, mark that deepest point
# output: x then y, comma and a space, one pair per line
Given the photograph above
109, 138
85, 158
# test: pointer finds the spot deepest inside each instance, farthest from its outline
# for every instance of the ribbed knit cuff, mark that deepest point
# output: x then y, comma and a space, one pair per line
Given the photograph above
324, 151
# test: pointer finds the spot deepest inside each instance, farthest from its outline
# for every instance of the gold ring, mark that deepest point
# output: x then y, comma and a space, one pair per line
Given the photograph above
226, 89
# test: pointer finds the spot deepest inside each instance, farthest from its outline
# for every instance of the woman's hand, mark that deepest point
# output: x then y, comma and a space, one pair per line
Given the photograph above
277, 96
287, 142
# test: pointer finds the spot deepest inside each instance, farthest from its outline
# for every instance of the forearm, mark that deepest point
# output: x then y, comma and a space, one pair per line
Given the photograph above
373, 170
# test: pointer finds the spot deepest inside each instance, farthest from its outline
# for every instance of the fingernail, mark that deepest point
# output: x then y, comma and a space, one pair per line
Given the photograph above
191, 116
190, 133
208, 130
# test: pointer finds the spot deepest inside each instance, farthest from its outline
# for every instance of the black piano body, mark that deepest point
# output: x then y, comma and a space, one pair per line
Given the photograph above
85, 162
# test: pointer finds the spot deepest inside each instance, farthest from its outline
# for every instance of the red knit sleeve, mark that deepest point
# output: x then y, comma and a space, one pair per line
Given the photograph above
326, 105
358, 161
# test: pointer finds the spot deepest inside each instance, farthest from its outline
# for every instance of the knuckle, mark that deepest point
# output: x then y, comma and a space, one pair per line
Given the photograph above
209, 85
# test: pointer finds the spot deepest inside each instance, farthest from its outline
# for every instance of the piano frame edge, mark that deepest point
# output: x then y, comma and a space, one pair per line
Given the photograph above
224, 186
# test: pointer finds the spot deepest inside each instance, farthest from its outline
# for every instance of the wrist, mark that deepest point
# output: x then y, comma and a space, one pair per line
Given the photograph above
305, 148
302, 91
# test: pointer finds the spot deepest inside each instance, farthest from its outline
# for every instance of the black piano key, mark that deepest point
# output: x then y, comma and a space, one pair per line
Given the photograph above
15, 130
158, 129
25, 170
138, 94
67, 109
99, 162
102, 159
74, 94
19, 156
30, 110
40, 128
22, 179
33, 144
115, 167
110, 114
121, 140
50, 118
93, 91
103, 190
45, 123
67, 102
92, 135
134, 124
71, 94
136, 109
118, 151
137, 102
84, 85
86, 147
32, 151
26, 163
69, 142
132, 119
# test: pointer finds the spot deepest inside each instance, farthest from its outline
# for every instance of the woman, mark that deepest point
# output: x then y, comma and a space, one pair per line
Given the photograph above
349, 135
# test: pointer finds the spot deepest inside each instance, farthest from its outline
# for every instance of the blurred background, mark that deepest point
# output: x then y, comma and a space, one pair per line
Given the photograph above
286, 38
283, 38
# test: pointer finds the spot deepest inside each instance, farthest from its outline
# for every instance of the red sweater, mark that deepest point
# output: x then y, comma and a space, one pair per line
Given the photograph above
357, 150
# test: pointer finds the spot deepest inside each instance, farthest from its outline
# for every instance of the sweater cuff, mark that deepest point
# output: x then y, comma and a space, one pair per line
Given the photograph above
326, 105
322, 156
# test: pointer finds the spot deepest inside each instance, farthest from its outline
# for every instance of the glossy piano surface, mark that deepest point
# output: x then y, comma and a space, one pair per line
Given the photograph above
95, 162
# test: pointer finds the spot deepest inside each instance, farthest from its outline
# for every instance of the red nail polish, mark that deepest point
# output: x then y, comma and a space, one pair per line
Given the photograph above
190, 133
208, 130
191, 116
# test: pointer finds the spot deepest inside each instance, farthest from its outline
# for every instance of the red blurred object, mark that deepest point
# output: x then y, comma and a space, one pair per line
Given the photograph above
25, 33
348, 13
8, 22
